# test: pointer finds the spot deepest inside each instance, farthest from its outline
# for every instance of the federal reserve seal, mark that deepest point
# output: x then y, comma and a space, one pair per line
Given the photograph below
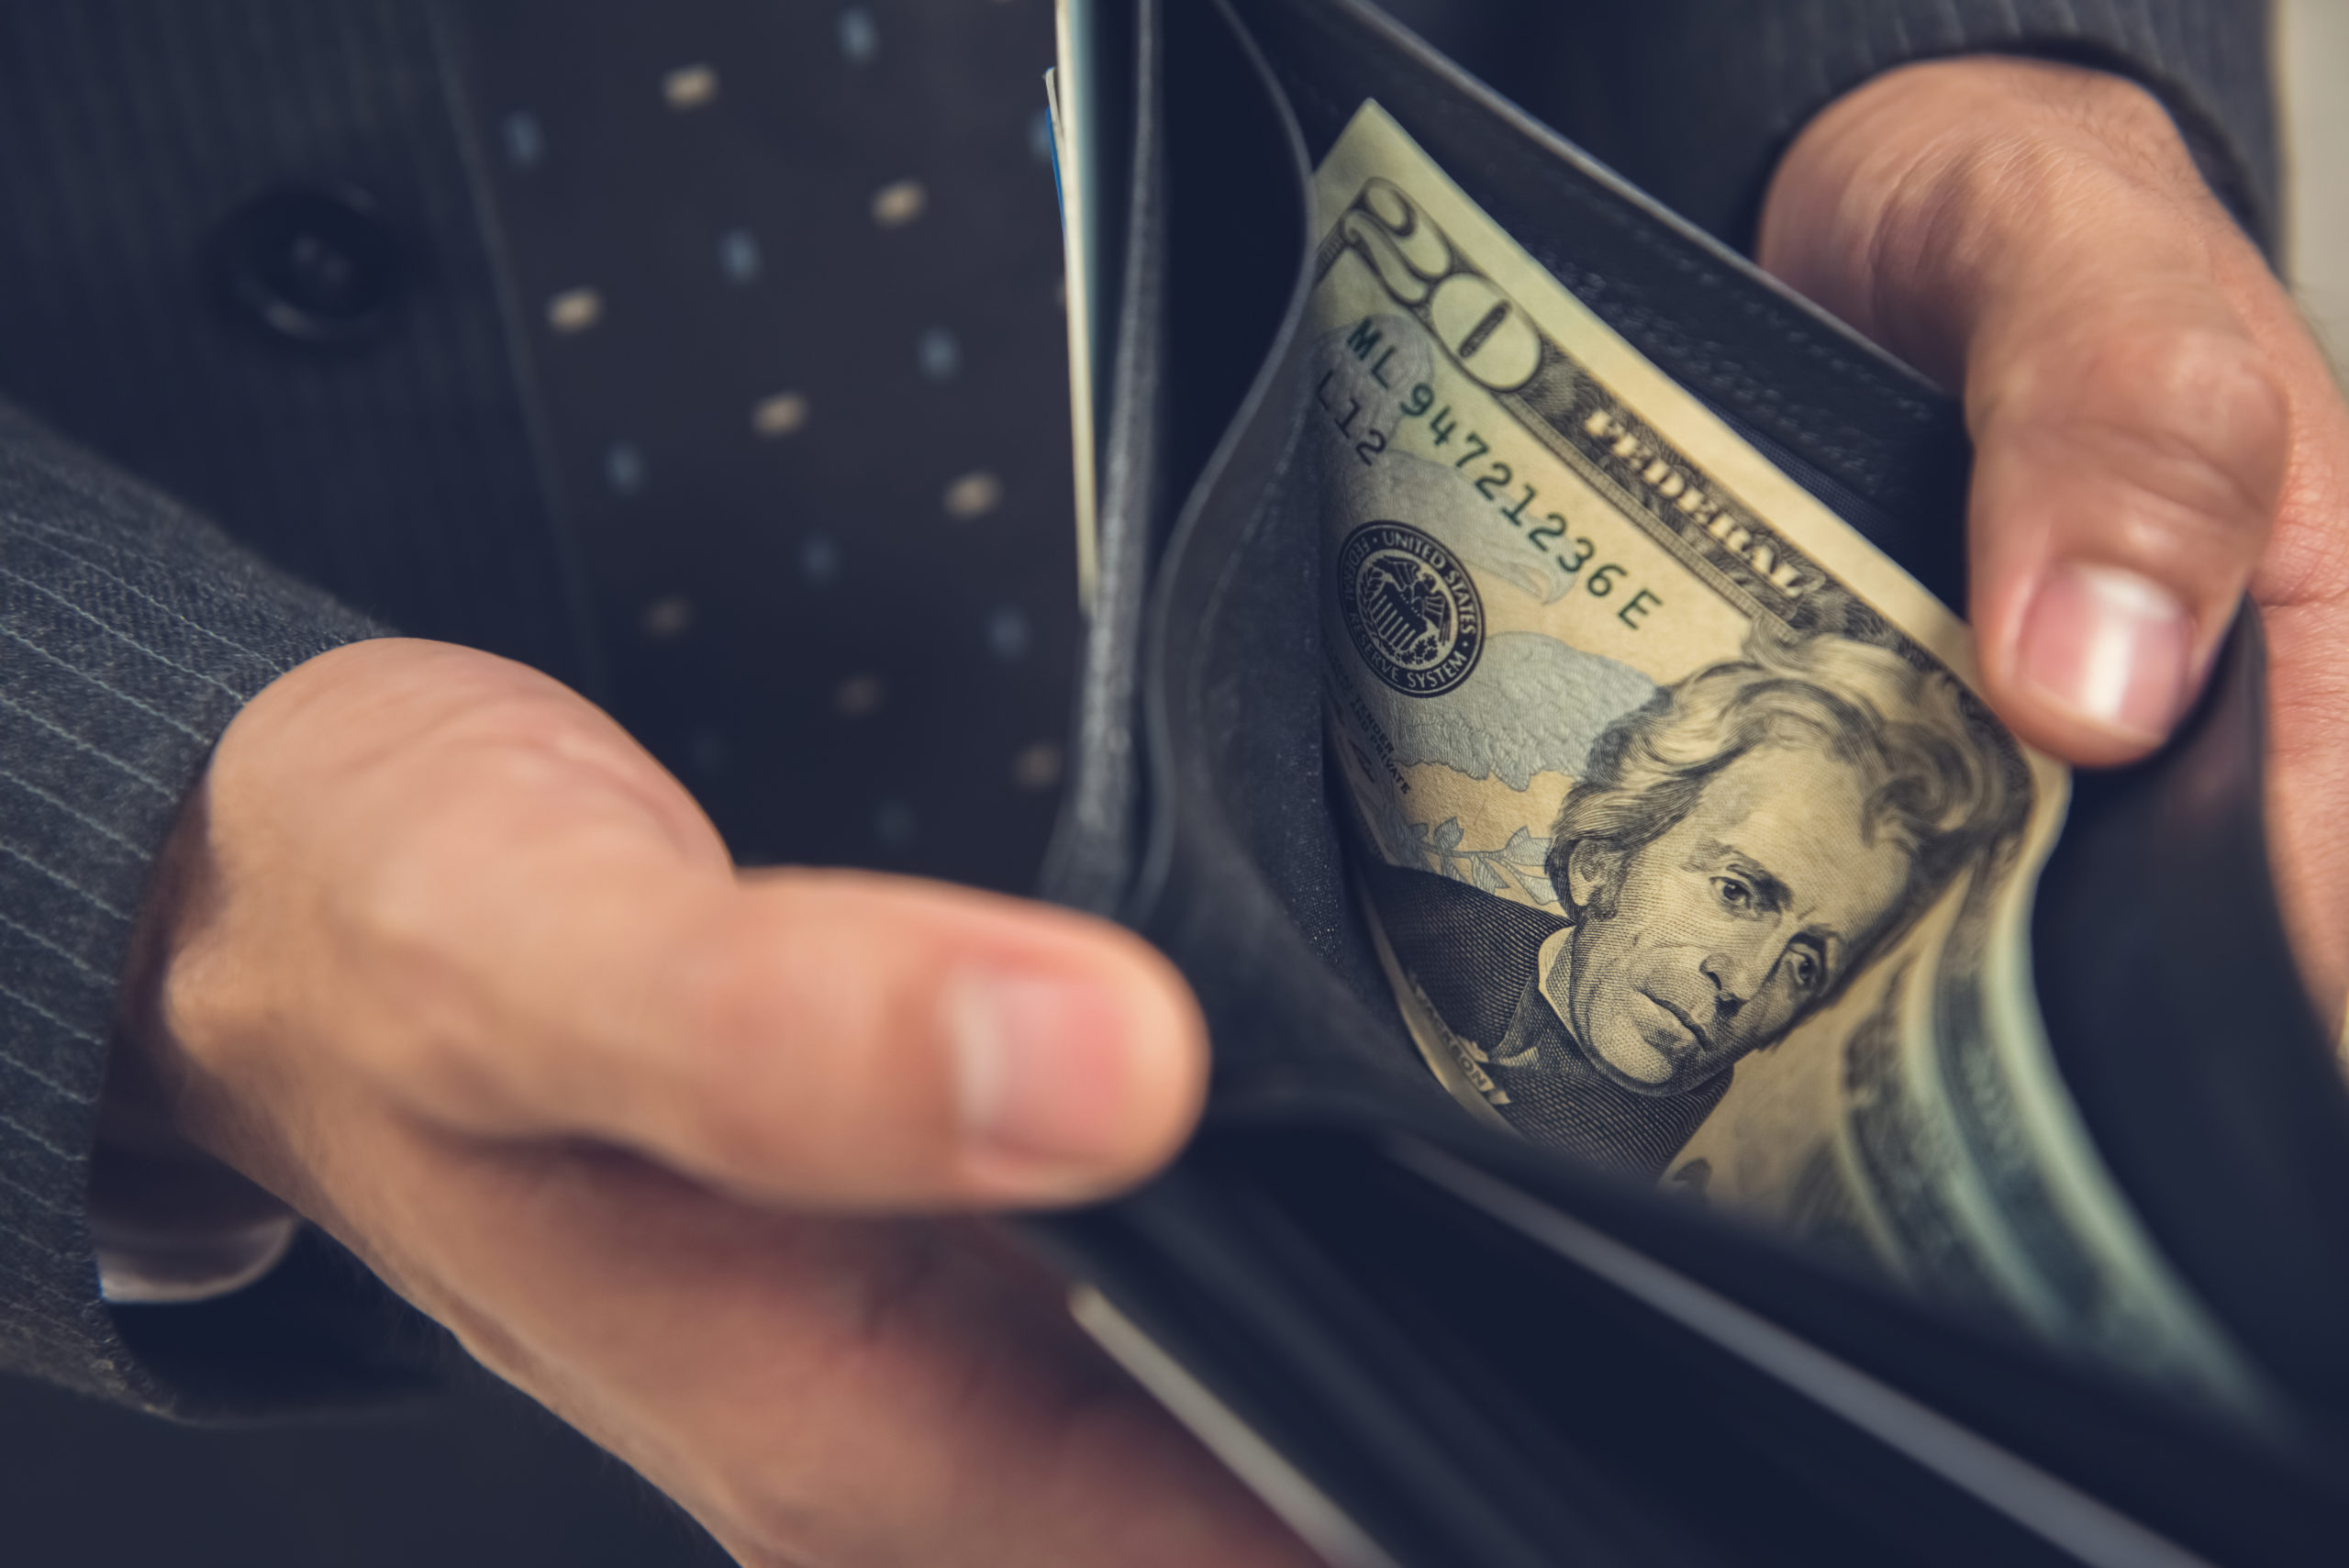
1411, 610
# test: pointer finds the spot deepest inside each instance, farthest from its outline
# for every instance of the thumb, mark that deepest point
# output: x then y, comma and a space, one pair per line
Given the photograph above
837, 1040
2131, 443
855, 1039
2038, 234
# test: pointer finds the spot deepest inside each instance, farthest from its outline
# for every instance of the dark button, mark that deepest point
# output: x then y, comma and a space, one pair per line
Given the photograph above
311, 264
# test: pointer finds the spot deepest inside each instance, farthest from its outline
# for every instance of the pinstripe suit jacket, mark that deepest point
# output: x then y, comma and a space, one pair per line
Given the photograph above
131, 629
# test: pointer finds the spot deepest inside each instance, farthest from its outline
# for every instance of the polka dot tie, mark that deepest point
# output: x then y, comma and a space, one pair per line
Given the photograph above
787, 281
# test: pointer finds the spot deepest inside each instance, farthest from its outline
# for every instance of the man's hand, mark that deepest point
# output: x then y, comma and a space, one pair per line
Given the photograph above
2155, 430
444, 960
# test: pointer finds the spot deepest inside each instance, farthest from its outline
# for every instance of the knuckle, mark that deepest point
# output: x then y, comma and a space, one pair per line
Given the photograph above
396, 905
2198, 419
2051, 137
212, 1001
425, 1007
1948, 213
2182, 433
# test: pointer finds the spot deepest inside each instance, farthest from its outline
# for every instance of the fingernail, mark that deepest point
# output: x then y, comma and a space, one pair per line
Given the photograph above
2109, 646
1042, 1067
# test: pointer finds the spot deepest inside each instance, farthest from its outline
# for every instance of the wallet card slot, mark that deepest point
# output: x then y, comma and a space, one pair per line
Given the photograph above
1089, 862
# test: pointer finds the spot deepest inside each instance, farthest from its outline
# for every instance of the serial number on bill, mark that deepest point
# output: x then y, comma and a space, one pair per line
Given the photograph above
1374, 416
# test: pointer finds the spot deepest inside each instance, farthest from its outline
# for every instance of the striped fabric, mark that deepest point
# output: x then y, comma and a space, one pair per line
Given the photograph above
130, 634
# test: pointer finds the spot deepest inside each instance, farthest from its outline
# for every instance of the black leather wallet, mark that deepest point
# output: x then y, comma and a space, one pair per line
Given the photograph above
1432, 1345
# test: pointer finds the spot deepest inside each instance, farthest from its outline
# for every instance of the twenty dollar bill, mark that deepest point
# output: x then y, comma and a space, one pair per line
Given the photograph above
1688, 847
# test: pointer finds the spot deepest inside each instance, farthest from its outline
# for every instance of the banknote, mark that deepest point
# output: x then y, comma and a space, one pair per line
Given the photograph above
1688, 847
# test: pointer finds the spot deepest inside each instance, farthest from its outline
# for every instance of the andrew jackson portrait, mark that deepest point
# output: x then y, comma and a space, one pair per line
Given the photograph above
1735, 852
